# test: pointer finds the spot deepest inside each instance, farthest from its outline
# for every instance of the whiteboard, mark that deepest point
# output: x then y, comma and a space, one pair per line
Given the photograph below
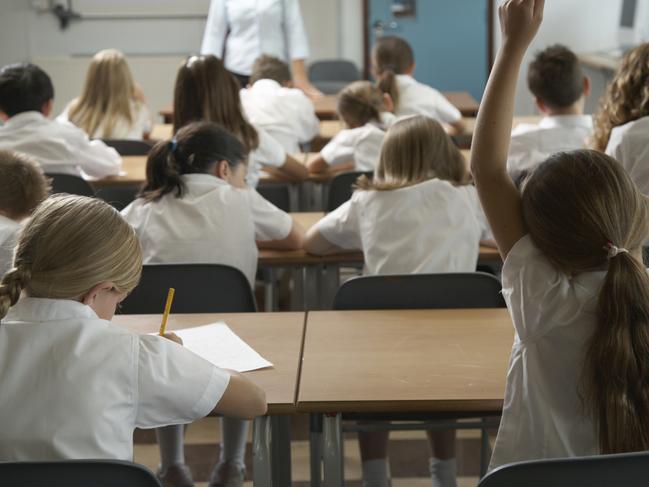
138, 8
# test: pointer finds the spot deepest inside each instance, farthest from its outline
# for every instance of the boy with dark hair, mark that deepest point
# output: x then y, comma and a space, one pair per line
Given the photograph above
560, 88
26, 101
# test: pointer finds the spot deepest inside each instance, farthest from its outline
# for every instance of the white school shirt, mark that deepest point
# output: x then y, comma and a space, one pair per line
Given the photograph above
629, 144
9, 230
419, 99
554, 317
362, 145
268, 153
142, 123
59, 147
532, 144
213, 223
286, 114
75, 386
425, 228
246, 29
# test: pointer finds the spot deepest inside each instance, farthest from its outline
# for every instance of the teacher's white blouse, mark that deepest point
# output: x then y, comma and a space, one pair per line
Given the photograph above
243, 30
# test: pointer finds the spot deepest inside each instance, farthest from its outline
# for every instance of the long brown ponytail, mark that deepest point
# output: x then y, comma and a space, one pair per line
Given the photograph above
577, 206
391, 56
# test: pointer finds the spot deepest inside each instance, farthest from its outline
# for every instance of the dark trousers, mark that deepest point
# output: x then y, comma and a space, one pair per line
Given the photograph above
243, 79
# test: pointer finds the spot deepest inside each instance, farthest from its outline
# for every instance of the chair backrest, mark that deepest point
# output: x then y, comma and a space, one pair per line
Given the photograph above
277, 193
67, 183
340, 188
76, 473
200, 288
334, 70
420, 291
118, 196
128, 147
627, 469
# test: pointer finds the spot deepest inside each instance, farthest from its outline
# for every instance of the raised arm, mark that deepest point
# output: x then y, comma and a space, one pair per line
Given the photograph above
519, 22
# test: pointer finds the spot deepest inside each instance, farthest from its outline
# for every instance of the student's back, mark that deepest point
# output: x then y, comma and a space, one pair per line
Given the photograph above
26, 96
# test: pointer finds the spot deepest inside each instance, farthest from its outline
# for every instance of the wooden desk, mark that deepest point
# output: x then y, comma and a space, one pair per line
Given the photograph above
162, 131
133, 173
464, 102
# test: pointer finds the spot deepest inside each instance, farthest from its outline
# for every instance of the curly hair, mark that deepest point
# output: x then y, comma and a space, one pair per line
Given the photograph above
626, 98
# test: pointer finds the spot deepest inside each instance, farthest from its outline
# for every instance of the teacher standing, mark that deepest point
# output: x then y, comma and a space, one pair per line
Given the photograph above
239, 31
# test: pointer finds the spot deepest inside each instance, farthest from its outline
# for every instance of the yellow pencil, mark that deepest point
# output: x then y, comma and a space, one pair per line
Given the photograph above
165, 316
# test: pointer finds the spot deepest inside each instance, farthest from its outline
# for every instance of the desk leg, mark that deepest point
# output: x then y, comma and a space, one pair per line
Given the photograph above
485, 450
312, 287
281, 450
315, 448
334, 474
261, 452
294, 196
269, 289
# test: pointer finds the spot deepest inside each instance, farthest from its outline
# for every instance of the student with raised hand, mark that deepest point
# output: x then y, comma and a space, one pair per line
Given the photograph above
111, 104
205, 90
75, 386
560, 89
622, 121
23, 186
271, 103
366, 112
573, 280
393, 66
196, 208
26, 101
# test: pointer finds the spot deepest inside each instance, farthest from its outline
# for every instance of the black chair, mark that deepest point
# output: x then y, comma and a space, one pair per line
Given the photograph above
200, 288
420, 291
341, 188
67, 183
626, 469
277, 193
128, 147
76, 473
331, 76
118, 196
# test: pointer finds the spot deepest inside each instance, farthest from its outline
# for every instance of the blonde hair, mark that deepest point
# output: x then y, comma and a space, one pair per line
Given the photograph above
576, 205
416, 149
359, 103
626, 98
23, 186
107, 95
71, 244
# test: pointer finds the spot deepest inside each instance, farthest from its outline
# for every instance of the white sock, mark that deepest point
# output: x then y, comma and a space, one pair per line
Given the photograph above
171, 443
443, 472
376, 473
233, 445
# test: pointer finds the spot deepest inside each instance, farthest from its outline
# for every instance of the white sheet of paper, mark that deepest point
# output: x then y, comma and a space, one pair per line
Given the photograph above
218, 344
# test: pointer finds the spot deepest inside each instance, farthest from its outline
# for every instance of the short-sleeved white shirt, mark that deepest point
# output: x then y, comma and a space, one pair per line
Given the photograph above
554, 317
212, 223
9, 230
285, 113
142, 123
361, 145
629, 144
419, 99
75, 386
268, 153
425, 228
532, 144
59, 147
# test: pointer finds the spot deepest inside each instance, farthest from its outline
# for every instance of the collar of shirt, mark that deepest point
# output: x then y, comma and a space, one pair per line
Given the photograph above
35, 310
555, 121
198, 182
266, 85
8, 222
406, 79
24, 118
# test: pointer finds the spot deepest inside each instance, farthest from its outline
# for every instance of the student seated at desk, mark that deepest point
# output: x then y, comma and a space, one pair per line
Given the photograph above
393, 65
196, 208
26, 101
205, 90
622, 122
366, 113
23, 186
416, 216
272, 104
75, 386
111, 105
560, 90
573, 280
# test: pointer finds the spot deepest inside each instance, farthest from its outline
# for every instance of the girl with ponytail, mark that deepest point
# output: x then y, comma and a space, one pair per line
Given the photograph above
195, 208
573, 280
73, 385
393, 64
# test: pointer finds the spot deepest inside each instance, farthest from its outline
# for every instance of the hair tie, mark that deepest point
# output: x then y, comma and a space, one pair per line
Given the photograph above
173, 145
613, 251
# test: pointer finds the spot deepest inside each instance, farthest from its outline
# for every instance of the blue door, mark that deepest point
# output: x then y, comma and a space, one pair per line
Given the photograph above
449, 37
